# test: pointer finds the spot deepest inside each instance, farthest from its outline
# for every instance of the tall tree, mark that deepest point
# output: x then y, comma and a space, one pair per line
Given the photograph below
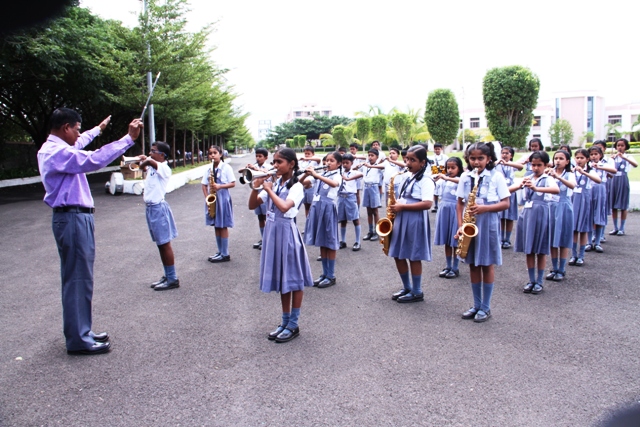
363, 129
402, 124
442, 116
379, 127
510, 96
560, 133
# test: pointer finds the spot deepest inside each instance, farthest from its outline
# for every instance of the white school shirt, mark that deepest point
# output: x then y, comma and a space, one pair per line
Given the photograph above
350, 186
303, 164
548, 183
335, 176
569, 176
440, 160
390, 170
498, 188
603, 174
155, 184
225, 175
296, 193
625, 164
420, 190
371, 175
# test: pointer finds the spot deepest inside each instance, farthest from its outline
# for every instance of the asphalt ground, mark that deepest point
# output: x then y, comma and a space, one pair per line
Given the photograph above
198, 355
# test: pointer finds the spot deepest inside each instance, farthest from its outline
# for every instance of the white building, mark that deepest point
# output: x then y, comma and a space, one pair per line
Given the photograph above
585, 110
308, 111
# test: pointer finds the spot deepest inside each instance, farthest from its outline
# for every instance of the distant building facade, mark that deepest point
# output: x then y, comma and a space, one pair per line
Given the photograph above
306, 111
585, 111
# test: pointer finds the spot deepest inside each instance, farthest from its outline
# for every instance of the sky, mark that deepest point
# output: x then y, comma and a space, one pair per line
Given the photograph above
353, 54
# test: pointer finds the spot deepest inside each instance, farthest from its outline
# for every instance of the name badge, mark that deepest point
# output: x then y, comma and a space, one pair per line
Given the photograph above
479, 201
316, 197
528, 204
618, 173
577, 190
453, 192
325, 186
271, 216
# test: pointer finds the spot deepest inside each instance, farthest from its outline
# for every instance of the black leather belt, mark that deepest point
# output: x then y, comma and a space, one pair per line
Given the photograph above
78, 209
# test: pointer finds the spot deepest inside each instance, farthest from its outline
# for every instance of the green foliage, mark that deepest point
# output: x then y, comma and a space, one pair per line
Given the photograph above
363, 129
560, 132
468, 136
98, 67
299, 141
613, 129
402, 123
290, 143
312, 128
379, 127
510, 95
442, 116
342, 136
586, 137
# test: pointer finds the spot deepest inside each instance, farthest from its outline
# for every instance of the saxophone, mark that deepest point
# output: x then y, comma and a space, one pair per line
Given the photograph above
469, 228
384, 226
211, 198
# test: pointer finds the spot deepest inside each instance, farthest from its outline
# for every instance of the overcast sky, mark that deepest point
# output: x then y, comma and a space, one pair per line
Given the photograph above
350, 54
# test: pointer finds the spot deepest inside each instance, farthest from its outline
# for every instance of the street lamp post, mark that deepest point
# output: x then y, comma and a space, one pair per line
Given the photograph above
152, 126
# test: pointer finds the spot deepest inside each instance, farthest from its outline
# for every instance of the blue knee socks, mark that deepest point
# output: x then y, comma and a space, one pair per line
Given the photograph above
370, 228
622, 223
581, 253
455, 263
477, 295
563, 265
219, 243
540, 277
343, 234
599, 233
224, 249
406, 282
285, 319
324, 267
293, 319
487, 291
615, 224
554, 262
261, 232
449, 262
508, 236
532, 274
589, 237
170, 272
417, 284
331, 268
358, 232
574, 250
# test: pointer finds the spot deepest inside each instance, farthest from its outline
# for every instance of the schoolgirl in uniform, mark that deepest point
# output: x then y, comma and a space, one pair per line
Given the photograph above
533, 233
446, 219
535, 144
284, 265
357, 161
322, 223
561, 214
391, 166
620, 188
347, 203
262, 154
411, 236
439, 159
484, 250
162, 226
309, 160
372, 192
565, 147
609, 177
599, 198
224, 179
507, 216
582, 208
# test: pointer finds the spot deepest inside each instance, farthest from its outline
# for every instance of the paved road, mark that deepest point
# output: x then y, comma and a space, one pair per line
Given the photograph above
198, 355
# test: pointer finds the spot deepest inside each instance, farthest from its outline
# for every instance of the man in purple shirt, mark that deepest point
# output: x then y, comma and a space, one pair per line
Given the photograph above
63, 164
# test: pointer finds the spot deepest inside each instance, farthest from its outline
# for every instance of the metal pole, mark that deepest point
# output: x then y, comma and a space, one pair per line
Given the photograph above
152, 125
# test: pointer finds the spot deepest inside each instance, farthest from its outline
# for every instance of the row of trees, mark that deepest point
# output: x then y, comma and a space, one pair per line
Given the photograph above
510, 96
98, 67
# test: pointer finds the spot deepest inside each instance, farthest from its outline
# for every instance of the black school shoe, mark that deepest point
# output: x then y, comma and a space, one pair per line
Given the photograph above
167, 285
257, 245
528, 287
287, 335
356, 247
482, 316
409, 297
536, 289
368, 236
402, 292
326, 282
272, 335
452, 274
444, 272
221, 258
551, 275
470, 314
343, 245
159, 282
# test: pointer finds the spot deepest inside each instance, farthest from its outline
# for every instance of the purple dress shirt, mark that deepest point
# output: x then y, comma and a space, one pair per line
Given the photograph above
63, 167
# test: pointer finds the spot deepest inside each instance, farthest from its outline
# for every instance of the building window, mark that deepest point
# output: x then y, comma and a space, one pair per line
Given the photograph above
536, 122
474, 122
298, 113
460, 123
326, 113
615, 119
535, 136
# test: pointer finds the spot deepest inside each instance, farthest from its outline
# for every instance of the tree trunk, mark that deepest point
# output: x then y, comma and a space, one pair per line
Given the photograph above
184, 148
174, 146
165, 129
193, 151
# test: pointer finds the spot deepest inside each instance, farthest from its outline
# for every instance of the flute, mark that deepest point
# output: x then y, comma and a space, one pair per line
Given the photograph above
153, 87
